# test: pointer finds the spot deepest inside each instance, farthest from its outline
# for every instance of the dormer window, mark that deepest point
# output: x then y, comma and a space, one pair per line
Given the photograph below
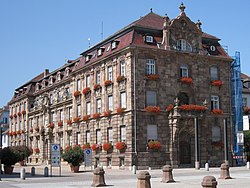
44, 83
67, 70
87, 58
183, 45
114, 44
37, 87
149, 39
100, 51
58, 76
51, 80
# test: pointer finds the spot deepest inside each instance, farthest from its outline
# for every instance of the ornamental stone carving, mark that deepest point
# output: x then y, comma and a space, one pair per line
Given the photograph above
109, 89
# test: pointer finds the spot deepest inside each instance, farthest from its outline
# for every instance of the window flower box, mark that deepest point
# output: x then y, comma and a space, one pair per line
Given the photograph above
85, 91
97, 86
120, 145
86, 146
108, 82
120, 78
120, 110
10, 133
76, 119
246, 110
107, 113
36, 150
107, 146
152, 77
217, 112
18, 132
60, 124
95, 147
217, 83
96, 115
154, 145
186, 80
69, 122
15, 116
19, 113
169, 108
51, 125
23, 112
11, 116
192, 107
14, 133
85, 118
218, 144
153, 109
23, 131
77, 93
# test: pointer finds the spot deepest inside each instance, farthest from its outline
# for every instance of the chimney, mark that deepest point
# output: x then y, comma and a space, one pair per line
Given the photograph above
165, 37
46, 72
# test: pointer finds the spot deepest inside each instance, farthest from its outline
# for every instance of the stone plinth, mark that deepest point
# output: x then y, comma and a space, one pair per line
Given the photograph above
224, 171
167, 176
143, 180
98, 178
209, 182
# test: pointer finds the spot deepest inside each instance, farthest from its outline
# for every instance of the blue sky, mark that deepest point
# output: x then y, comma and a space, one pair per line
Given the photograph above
40, 34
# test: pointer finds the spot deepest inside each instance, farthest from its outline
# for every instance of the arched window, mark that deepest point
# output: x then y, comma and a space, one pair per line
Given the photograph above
214, 73
183, 45
183, 98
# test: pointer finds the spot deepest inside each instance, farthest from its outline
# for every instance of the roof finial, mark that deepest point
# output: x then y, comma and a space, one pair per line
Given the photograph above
198, 24
182, 7
151, 10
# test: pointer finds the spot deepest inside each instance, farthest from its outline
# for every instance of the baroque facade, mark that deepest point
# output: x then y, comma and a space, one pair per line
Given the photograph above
146, 85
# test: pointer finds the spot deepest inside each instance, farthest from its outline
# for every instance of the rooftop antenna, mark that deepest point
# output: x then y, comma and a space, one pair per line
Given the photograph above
102, 31
89, 42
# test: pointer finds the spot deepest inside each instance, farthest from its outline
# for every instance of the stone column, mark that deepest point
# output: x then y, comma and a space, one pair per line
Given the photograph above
167, 176
143, 180
224, 171
209, 182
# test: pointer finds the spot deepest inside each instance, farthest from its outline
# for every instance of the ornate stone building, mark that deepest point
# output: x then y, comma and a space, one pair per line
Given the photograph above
118, 91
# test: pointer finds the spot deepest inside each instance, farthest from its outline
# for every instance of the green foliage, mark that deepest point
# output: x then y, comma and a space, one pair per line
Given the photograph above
23, 152
9, 156
73, 155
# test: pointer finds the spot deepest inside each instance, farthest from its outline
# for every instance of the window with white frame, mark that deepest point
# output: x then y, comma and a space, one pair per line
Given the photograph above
150, 66
50, 80
110, 102
88, 137
98, 77
78, 138
149, 39
88, 108
88, 81
79, 110
61, 115
123, 133
215, 102
98, 136
123, 68
151, 98
78, 85
98, 105
110, 135
216, 136
123, 100
110, 73
113, 45
214, 73
183, 45
70, 113
152, 133
183, 70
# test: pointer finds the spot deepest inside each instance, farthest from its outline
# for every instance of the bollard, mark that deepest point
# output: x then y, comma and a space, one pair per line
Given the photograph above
209, 182
33, 171
134, 169
167, 176
207, 167
46, 171
22, 174
98, 178
224, 172
248, 165
143, 180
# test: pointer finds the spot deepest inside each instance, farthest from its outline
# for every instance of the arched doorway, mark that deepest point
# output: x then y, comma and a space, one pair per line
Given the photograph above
184, 148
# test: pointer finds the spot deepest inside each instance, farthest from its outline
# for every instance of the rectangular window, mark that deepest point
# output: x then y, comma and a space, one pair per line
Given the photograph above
88, 109
79, 110
98, 77
70, 113
123, 68
214, 73
110, 135
152, 133
149, 39
244, 101
24, 105
183, 71
61, 115
214, 102
98, 136
151, 98
78, 85
78, 138
110, 102
123, 100
98, 105
110, 73
123, 133
88, 81
88, 137
150, 66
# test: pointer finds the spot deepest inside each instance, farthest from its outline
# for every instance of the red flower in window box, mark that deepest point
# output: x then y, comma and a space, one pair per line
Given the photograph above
152, 77
186, 80
18, 132
120, 78
120, 145
69, 122
22, 131
169, 108
216, 83
192, 107
11, 116
76, 119
86, 146
107, 113
14, 133
19, 113
96, 115
85, 118
60, 124
85, 91
107, 146
217, 112
154, 145
10, 134
108, 82
51, 125
23, 112
153, 109
97, 86
76, 93
15, 116
95, 147
37, 150
120, 110
246, 110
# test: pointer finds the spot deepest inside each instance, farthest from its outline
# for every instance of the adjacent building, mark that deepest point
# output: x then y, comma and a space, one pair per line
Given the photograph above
159, 85
4, 126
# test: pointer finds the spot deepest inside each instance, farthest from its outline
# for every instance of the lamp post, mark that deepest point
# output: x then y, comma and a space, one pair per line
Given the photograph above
225, 141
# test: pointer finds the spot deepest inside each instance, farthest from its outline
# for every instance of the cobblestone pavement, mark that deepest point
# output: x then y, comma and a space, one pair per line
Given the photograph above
184, 177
